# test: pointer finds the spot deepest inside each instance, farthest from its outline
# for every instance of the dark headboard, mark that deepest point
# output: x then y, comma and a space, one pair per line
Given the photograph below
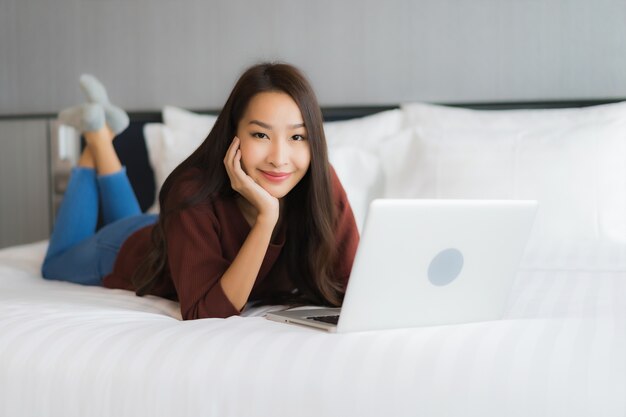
132, 152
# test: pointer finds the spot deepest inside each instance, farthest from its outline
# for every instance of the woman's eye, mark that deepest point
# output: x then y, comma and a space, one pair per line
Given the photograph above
259, 135
298, 137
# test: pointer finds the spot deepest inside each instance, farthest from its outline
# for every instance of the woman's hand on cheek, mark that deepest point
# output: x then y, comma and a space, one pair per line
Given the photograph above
266, 204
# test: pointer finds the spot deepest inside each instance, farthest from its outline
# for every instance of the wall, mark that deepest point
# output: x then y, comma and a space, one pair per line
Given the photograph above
24, 181
189, 53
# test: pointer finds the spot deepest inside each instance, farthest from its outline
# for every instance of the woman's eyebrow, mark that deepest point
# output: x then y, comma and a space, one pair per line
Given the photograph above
263, 125
266, 126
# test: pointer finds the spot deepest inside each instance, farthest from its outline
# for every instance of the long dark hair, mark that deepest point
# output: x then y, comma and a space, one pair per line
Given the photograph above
309, 211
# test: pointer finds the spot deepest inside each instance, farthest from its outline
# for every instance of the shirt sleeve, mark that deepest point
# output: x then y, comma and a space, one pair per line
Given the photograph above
347, 232
197, 264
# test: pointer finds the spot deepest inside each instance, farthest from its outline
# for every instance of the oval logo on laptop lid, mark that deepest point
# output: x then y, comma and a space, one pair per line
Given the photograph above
445, 267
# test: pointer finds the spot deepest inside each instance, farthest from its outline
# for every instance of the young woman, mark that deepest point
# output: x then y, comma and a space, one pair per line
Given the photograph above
255, 214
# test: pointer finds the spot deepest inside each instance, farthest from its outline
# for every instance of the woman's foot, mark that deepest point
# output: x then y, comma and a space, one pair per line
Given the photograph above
84, 118
116, 118
99, 122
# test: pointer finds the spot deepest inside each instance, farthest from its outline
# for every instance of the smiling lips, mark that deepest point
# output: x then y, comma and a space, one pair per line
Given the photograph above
276, 176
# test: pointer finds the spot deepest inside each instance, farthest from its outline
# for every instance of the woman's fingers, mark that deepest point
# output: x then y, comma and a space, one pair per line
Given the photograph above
232, 150
229, 160
237, 164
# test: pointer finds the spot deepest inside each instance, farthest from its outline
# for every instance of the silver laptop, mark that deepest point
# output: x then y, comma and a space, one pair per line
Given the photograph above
426, 263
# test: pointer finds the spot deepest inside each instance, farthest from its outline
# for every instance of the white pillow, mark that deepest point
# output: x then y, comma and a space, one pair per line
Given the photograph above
360, 174
365, 132
353, 151
572, 160
178, 119
171, 143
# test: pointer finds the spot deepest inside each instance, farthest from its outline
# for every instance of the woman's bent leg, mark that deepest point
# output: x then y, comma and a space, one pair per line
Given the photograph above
117, 197
78, 212
92, 259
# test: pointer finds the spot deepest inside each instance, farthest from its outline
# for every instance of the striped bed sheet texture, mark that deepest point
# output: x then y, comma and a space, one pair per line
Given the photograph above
69, 350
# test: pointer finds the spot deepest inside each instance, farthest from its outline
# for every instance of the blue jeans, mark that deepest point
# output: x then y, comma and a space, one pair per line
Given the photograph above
79, 254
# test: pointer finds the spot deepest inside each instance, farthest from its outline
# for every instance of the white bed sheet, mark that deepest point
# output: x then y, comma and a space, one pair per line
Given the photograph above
69, 350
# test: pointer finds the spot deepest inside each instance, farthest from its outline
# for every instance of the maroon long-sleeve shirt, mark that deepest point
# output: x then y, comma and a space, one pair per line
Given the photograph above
202, 242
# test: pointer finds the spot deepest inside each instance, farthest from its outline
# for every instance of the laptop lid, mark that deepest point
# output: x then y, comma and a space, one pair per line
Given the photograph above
433, 262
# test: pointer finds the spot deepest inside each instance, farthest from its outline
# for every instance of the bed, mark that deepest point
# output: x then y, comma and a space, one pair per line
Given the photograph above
71, 350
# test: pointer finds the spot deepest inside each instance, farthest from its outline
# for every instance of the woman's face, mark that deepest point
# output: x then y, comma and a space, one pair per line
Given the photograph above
275, 150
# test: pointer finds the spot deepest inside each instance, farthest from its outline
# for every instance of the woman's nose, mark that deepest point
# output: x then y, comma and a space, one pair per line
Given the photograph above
278, 154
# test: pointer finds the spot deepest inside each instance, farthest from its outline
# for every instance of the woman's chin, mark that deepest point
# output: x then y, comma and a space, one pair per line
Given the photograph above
276, 192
